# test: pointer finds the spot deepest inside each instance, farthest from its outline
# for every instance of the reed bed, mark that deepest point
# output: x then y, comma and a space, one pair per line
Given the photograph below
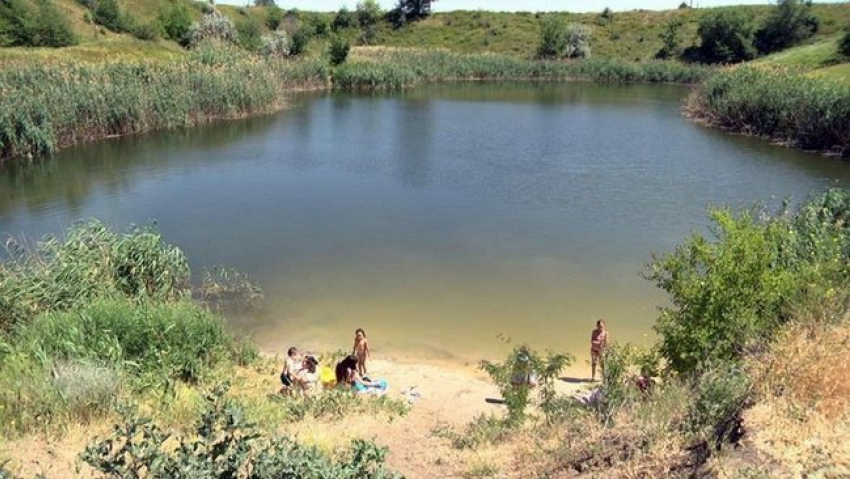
782, 104
387, 68
45, 107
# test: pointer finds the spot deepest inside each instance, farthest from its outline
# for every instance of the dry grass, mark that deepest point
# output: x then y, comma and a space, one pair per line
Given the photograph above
800, 424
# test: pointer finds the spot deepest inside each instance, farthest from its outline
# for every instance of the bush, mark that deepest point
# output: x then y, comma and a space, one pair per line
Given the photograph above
226, 446
213, 27
790, 23
343, 19
146, 31
108, 13
730, 294
249, 35
91, 262
368, 15
720, 396
553, 38
338, 50
274, 17
275, 44
784, 105
300, 39
87, 389
520, 373
844, 45
726, 36
176, 21
670, 39
21, 27
156, 340
578, 41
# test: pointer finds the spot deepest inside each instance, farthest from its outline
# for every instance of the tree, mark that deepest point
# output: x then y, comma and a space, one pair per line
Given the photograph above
274, 17
265, 3
176, 22
20, 26
844, 45
338, 50
368, 15
669, 39
409, 10
790, 23
343, 19
726, 36
578, 41
553, 38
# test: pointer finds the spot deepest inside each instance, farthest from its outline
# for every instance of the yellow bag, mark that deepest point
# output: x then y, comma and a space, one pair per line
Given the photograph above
327, 377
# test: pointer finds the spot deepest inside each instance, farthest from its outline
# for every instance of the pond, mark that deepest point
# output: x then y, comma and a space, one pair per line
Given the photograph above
442, 219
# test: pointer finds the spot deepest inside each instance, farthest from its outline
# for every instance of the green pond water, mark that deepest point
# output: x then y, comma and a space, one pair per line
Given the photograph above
439, 219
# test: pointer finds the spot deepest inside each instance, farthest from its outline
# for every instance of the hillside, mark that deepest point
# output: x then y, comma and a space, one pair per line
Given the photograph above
628, 35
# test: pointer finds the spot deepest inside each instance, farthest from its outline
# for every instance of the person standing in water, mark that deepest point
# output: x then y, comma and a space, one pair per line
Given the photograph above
598, 343
361, 350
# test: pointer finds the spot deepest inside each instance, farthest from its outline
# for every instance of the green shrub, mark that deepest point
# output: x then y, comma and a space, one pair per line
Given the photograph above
338, 50
226, 446
173, 340
21, 27
275, 44
343, 19
274, 17
523, 370
790, 23
728, 295
249, 35
213, 27
719, 397
553, 38
670, 39
482, 430
300, 39
146, 31
726, 36
108, 13
844, 45
788, 106
368, 14
91, 262
176, 21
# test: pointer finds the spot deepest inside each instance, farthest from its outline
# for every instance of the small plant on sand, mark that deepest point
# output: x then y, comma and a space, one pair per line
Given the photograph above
522, 371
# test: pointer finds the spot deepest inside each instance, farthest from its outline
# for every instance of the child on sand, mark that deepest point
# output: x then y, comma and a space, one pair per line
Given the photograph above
361, 350
598, 343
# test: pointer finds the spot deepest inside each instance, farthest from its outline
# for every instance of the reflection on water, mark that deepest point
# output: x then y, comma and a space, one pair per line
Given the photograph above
435, 218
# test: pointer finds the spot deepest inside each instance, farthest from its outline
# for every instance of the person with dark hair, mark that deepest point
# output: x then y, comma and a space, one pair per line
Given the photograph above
361, 350
291, 366
344, 368
307, 377
598, 343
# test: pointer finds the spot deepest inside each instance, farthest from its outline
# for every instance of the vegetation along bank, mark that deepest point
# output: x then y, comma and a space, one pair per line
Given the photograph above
78, 70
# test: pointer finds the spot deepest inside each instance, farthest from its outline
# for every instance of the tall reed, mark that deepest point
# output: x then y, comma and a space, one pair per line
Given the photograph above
782, 104
385, 68
47, 106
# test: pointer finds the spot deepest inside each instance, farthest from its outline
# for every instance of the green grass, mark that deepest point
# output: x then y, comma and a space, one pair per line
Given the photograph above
379, 68
48, 106
783, 104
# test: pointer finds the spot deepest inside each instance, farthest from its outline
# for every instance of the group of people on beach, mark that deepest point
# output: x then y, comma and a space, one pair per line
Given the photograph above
302, 374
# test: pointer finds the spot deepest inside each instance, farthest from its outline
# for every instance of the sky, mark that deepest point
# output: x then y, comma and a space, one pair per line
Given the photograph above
509, 5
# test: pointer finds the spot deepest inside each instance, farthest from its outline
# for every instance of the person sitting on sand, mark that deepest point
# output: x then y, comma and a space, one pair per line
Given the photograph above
291, 366
307, 377
347, 376
361, 385
598, 343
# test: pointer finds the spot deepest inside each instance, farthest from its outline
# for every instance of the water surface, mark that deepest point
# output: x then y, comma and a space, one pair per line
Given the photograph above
437, 219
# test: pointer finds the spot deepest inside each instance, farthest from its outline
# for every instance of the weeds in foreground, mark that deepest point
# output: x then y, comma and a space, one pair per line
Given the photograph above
225, 445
